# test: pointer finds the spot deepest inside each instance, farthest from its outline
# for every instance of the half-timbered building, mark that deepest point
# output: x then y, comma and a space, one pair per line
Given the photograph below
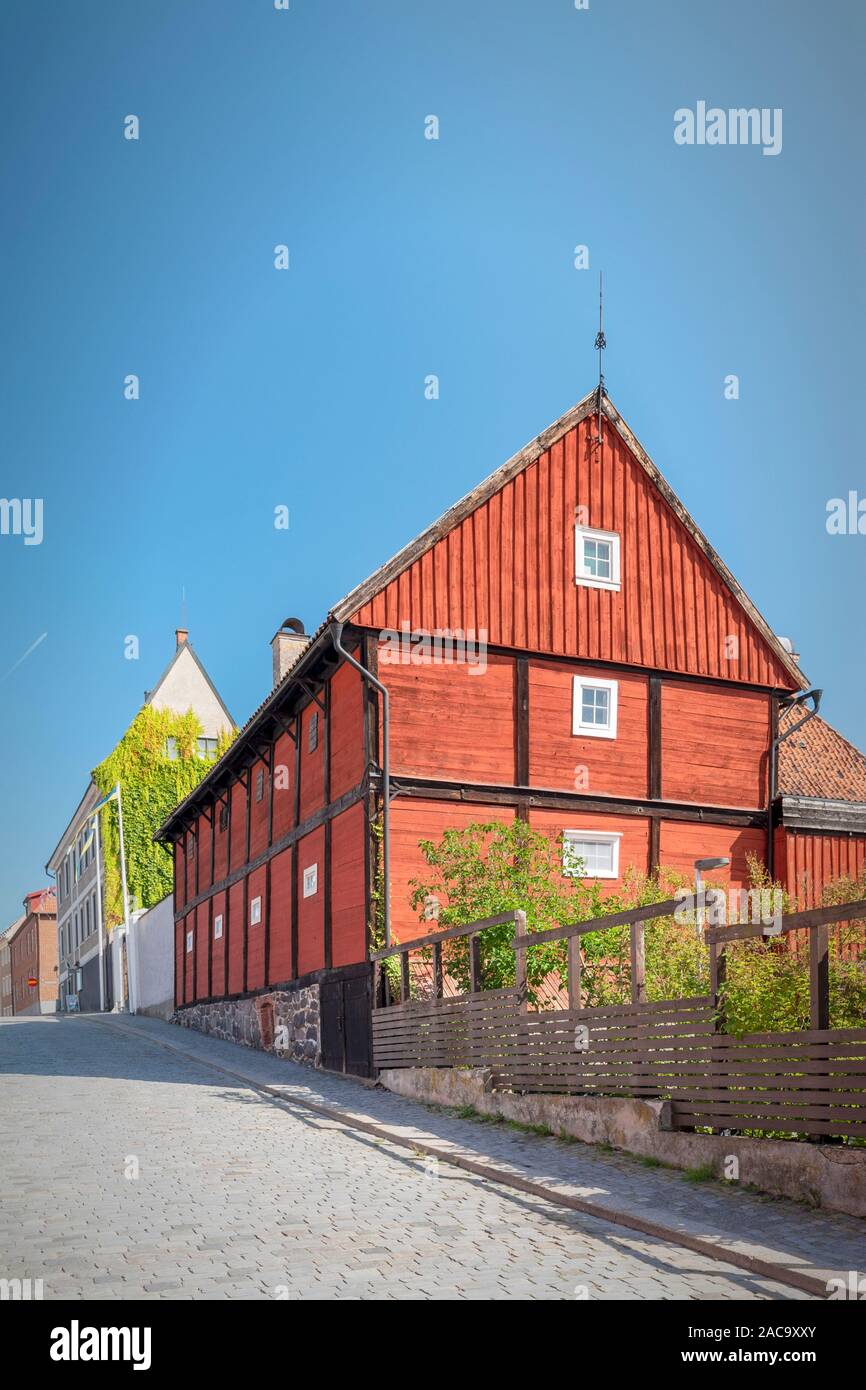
563, 645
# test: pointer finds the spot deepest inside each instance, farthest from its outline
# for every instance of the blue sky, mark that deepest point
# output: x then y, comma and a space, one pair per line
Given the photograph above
408, 257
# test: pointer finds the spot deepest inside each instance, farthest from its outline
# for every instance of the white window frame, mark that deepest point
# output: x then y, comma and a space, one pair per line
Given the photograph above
611, 837
607, 730
591, 581
189, 943
311, 881
255, 911
217, 926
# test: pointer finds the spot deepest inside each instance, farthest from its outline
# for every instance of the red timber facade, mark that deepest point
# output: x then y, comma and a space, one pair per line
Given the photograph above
820, 812
627, 693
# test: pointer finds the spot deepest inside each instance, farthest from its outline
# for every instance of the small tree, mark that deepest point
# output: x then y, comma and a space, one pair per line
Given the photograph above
493, 867
486, 869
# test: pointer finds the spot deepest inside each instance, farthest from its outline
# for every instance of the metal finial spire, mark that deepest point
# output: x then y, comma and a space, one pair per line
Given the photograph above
600, 345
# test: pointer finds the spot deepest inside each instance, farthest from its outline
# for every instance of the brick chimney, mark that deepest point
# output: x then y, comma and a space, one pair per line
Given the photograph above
287, 645
180, 636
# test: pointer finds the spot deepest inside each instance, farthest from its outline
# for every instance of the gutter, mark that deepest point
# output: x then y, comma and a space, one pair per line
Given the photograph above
317, 643
337, 638
789, 703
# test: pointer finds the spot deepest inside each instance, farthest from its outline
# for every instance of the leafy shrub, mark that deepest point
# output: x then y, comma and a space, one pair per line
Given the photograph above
491, 868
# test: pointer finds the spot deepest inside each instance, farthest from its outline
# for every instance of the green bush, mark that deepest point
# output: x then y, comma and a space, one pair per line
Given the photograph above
491, 868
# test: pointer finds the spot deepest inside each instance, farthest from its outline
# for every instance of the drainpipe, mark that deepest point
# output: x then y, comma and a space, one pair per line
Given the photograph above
788, 703
337, 636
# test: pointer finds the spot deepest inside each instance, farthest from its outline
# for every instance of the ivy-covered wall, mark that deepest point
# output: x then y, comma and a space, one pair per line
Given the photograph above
151, 783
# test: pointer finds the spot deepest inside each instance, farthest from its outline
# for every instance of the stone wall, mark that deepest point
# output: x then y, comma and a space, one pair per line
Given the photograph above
832, 1176
294, 1023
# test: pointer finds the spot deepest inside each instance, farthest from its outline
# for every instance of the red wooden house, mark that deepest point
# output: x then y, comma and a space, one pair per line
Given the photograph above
820, 812
626, 693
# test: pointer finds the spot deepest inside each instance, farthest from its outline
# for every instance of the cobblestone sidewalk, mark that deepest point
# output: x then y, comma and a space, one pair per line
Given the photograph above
133, 1169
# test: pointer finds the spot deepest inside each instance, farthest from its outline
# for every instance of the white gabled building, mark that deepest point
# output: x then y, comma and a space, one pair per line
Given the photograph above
93, 973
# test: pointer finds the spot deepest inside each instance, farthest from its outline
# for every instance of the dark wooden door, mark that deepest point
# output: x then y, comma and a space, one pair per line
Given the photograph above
345, 1023
357, 1025
331, 1007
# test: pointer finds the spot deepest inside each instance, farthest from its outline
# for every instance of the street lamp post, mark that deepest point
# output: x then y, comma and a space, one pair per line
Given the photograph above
97, 832
703, 866
129, 969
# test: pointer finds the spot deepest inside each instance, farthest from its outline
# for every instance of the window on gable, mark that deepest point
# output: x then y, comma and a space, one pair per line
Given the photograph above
206, 747
314, 731
596, 558
255, 912
594, 707
189, 943
217, 926
590, 854
171, 748
311, 880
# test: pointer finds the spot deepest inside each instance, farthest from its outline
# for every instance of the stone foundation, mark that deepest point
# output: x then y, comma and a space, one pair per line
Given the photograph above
285, 1022
831, 1176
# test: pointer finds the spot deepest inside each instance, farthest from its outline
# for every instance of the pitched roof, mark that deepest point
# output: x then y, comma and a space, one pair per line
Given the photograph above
186, 645
9, 932
346, 607
362, 593
818, 762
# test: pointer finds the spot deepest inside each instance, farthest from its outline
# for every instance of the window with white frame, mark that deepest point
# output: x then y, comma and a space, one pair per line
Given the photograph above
189, 943
311, 880
590, 854
594, 707
217, 926
596, 558
255, 912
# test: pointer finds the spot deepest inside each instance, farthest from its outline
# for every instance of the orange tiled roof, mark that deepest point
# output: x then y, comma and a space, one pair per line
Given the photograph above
43, 900
817, 761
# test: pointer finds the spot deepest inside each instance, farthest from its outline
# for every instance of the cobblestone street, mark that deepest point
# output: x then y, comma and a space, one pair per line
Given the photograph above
131, 1169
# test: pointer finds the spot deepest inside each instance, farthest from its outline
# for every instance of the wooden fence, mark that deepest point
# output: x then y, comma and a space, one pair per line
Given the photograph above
806, 1082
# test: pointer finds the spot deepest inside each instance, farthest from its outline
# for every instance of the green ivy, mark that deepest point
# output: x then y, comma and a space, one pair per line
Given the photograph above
151, 784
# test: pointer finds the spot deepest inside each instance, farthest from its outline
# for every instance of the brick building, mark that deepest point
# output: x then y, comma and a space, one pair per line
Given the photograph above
33, 955
6, 969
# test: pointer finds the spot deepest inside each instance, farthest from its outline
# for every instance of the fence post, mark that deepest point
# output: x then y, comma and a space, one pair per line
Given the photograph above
638, 963
437, 970
819, 977
520, 956
405, 983
574, 966
476, 979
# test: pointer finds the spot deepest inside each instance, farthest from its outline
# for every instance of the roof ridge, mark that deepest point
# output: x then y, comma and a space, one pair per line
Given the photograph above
523, 459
